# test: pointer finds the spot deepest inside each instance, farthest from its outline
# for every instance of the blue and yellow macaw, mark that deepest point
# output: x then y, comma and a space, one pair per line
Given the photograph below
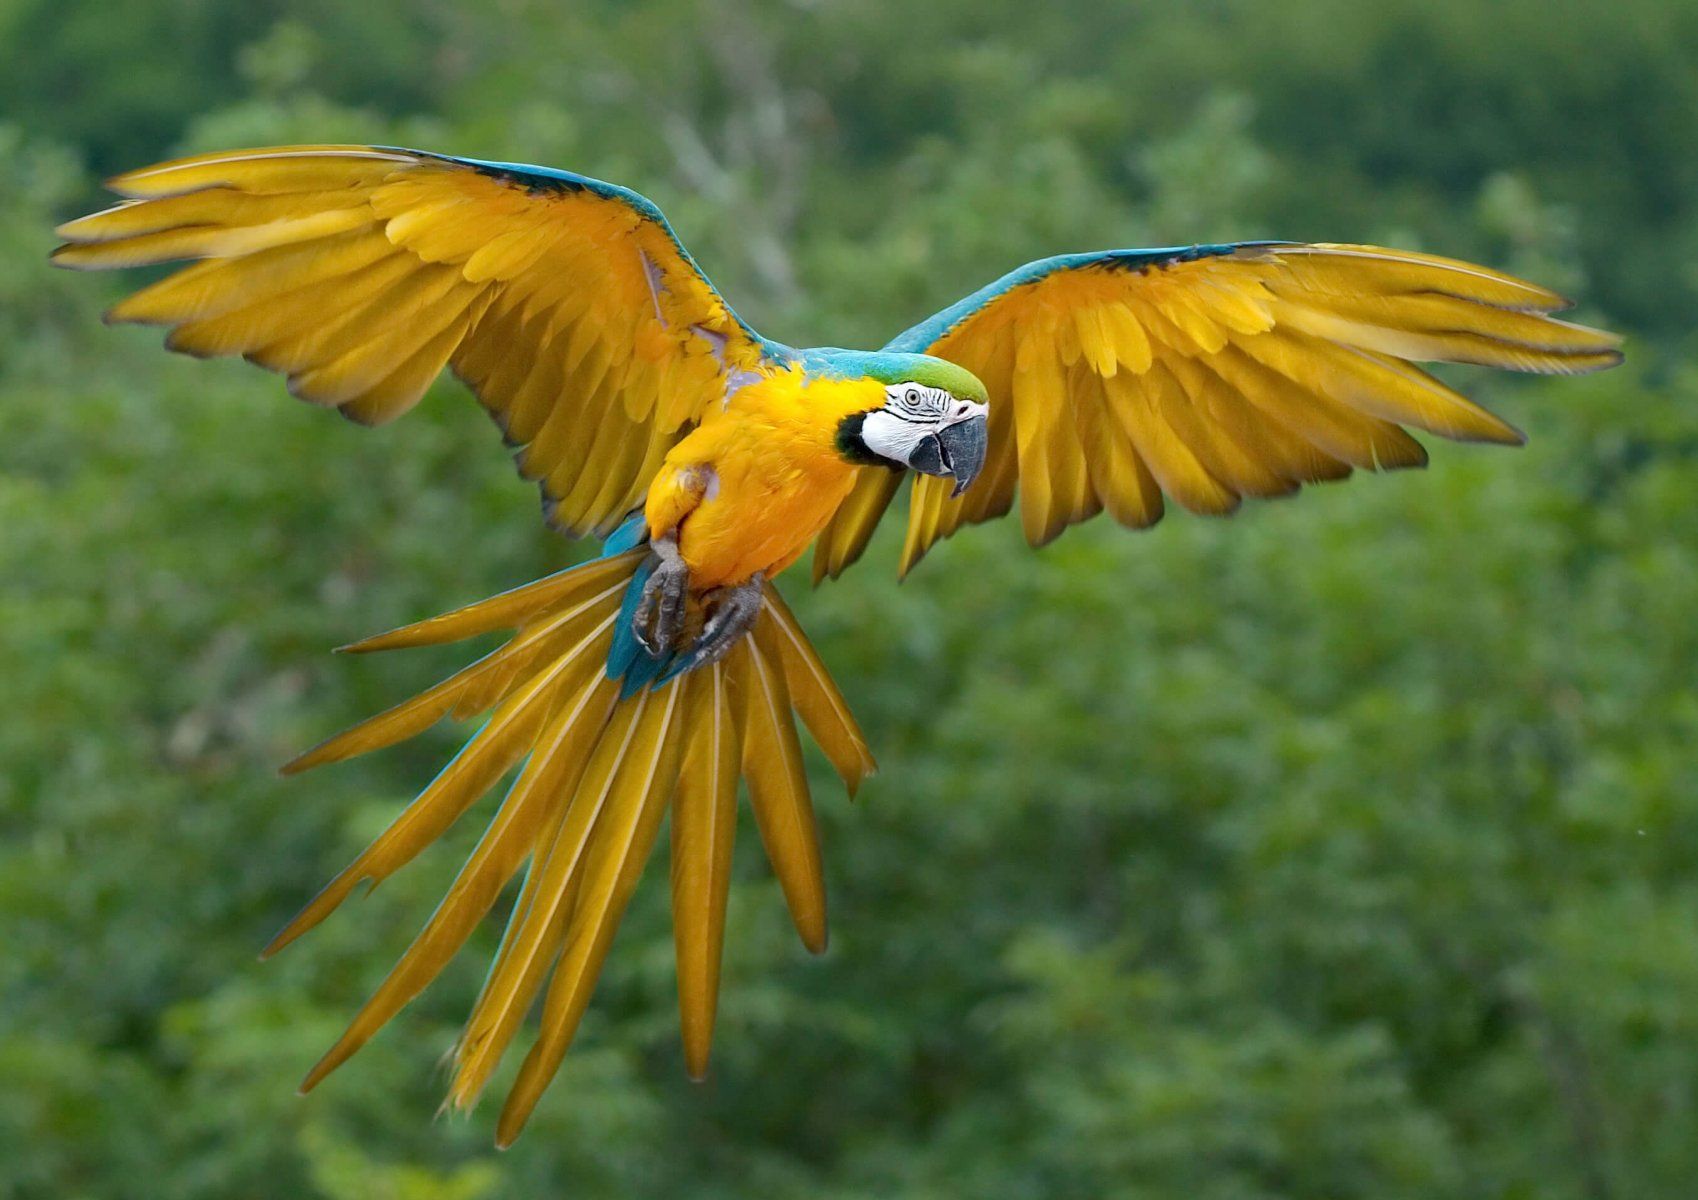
709, 458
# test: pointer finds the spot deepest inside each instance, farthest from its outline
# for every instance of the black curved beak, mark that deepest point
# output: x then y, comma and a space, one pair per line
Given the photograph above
956, 450
962, 446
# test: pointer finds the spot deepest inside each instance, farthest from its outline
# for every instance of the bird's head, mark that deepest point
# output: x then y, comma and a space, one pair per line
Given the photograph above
932, 420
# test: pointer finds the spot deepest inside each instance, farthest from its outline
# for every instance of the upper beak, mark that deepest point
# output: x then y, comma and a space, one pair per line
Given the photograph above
962, 447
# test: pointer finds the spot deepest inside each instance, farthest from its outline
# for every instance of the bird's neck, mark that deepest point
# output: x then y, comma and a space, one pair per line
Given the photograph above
803, 410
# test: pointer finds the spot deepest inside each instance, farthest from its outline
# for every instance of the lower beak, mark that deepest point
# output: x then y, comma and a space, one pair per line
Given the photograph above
963, 446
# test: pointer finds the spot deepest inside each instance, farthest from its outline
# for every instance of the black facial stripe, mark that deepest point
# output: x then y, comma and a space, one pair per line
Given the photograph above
916, 404
853, 446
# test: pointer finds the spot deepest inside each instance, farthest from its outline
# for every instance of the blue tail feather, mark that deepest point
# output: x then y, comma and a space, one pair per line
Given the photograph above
627, 659
646, 669
632, 532
677, 664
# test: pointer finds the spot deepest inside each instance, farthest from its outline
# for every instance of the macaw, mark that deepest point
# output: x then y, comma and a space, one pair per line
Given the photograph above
708, 458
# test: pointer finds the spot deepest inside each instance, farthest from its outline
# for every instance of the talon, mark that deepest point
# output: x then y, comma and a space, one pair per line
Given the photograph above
735, 610
659, 618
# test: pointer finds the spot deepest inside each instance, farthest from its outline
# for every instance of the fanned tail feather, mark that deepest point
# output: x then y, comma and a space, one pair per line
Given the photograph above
597, 774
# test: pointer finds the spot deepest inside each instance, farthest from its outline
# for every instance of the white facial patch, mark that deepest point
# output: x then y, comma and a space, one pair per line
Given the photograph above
892, 437
911, 412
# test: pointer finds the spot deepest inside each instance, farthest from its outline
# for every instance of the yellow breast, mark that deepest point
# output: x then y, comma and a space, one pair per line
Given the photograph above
776, 476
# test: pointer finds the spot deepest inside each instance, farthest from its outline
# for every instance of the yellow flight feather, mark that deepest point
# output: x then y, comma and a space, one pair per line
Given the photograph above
816, 698
1331, 426
1235, 372
1127, 489
1492, 340
1140, 408
487, 757
1357, 270
496, 1016
704, 829
507, 610
358, 368
925, 507
206, 241
1037, 400
274, 169
1287, 454
778, 784
471, 690
379, 325
360, 272
1241, 463
1371, 384
217, 286
215, 208
535, 395
398, 391
535, 940
1131, 343
624, 835
845, 537
302, 312
558, 758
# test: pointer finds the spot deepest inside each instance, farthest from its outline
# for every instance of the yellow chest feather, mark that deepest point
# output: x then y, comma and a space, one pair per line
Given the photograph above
763, 474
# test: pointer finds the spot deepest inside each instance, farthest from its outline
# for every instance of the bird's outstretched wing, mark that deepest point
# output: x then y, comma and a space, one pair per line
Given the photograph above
567, 304
1211, 373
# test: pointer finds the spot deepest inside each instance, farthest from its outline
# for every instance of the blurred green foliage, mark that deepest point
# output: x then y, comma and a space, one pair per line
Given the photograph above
1341, 850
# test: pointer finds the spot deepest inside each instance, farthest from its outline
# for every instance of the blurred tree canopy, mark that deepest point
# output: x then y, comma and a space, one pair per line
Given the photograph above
1344, 849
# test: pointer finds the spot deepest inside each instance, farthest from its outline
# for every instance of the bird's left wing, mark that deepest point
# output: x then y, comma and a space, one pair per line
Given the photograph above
1210, 373
567, 304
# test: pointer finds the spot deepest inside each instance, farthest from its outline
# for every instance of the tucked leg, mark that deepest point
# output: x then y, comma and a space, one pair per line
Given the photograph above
732, 613
659, 618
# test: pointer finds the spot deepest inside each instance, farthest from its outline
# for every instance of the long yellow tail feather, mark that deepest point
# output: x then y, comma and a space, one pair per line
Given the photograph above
598, 775
509, 610
704, 830
552, 768
778, 787
636, 800
816, 697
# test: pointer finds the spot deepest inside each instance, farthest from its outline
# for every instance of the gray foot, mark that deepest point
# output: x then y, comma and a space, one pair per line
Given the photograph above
659, 619
733, 613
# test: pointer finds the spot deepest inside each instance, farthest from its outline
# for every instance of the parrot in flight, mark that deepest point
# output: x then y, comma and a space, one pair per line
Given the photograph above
655, 678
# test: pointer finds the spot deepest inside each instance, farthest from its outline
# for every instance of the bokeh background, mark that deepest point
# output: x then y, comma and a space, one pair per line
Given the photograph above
1344, 849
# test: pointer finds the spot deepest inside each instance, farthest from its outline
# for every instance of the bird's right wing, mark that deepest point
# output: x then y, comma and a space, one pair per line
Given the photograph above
567, 304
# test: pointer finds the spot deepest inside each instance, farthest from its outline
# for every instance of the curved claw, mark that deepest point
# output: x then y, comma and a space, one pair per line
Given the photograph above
735, 610
659, 619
